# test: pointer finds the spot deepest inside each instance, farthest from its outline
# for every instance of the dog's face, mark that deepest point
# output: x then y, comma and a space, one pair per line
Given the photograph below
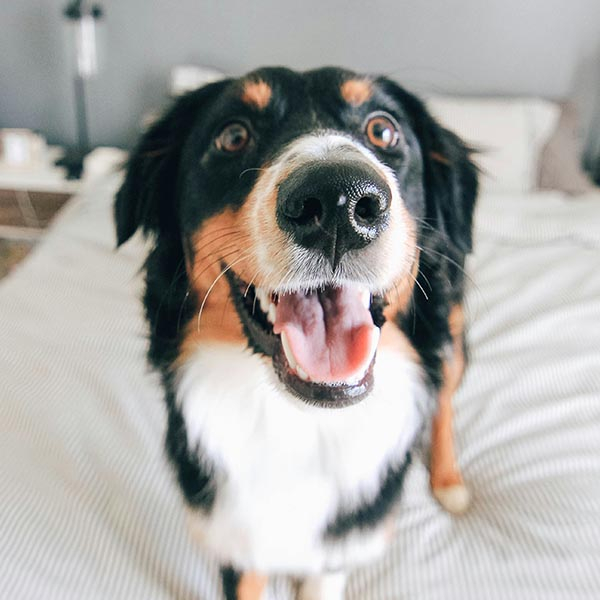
299, 202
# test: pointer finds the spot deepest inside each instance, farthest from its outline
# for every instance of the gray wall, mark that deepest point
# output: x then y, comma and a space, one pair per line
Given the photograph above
468, 46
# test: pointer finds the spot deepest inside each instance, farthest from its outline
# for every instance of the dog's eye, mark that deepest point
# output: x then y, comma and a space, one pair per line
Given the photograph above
382, 130
233, 138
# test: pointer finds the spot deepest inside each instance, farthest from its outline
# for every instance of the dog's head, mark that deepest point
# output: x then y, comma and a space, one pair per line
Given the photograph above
299, 203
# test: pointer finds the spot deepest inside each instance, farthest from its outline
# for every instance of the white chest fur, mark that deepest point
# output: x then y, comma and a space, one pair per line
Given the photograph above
285, 469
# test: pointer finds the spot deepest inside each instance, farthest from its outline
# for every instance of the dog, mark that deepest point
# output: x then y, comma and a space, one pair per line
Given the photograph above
303, 294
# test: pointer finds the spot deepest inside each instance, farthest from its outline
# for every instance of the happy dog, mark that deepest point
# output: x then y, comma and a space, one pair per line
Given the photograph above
304, 302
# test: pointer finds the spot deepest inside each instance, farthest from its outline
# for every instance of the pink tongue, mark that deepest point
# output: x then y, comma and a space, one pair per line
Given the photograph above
330, 333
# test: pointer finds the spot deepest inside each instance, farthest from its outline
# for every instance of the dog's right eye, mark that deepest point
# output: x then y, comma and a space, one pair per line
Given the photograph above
233, 138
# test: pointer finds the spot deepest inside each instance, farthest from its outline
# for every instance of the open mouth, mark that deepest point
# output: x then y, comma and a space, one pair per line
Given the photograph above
323, 342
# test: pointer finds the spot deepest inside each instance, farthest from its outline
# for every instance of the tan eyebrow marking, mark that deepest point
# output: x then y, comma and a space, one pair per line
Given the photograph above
257, 93
439, 158
356, 91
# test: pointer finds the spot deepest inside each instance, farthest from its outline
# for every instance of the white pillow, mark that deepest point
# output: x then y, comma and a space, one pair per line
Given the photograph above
509, 134
186, 78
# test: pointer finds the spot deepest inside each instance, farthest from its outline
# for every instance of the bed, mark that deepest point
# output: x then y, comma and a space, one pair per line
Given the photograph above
88, 505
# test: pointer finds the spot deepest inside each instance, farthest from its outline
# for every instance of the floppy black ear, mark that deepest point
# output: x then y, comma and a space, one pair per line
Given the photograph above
449, 175
147, 197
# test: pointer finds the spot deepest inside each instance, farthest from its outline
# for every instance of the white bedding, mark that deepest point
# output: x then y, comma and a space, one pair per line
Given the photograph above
88, 506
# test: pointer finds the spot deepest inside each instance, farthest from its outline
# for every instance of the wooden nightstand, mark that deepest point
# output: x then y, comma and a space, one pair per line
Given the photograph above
29, 199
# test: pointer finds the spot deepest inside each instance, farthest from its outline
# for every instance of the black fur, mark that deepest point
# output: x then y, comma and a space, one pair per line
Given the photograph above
147, 199
196, 478
450, 184
176, 179
371, 513
230, 580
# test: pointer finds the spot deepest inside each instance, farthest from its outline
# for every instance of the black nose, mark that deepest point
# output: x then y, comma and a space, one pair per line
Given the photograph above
334, 207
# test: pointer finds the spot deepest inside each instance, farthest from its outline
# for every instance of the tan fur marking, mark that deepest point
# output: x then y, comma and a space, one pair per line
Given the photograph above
228, 238
356, 91
439, 158
251, 586
222, 239
444, 469
456, 322
257, 94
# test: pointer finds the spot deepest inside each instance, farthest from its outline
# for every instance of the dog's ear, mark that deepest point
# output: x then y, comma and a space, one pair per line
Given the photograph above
147, 197
449, 175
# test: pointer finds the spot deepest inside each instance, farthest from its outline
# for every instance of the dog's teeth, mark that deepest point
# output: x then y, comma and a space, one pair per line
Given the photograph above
358, 377
288, 351
375, 335
291, 360
263, 299
362, 374
301, 373
271, 313
365, 297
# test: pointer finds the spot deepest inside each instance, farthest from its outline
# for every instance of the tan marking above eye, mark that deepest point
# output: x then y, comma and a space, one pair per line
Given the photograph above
356, 91
257, 94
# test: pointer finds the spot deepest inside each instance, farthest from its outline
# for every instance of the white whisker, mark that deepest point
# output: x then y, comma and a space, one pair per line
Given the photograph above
251, 282
420, 286
217, 278
249, 170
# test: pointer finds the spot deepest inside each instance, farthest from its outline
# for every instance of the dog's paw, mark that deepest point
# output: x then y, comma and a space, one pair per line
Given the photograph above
323, 587
453, 498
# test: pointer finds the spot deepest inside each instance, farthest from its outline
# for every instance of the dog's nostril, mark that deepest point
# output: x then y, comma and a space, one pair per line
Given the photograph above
367, 210
309, 210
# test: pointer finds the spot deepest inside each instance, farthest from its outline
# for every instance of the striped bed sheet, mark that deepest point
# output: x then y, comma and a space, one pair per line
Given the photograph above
89, 508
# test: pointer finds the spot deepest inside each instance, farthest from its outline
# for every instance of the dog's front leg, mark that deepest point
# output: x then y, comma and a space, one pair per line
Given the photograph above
243, 586
446, 480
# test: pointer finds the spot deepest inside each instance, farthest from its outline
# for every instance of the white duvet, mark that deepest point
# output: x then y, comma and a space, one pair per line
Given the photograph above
88, 505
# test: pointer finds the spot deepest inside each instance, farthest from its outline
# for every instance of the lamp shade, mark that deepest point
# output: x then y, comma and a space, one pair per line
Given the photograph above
84, 25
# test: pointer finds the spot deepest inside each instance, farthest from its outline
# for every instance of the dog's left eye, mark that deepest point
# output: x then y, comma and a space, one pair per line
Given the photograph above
233, 138
382, 130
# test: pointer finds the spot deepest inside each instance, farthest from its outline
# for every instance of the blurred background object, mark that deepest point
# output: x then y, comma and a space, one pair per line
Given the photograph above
547, 48
22, 148
82, 22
